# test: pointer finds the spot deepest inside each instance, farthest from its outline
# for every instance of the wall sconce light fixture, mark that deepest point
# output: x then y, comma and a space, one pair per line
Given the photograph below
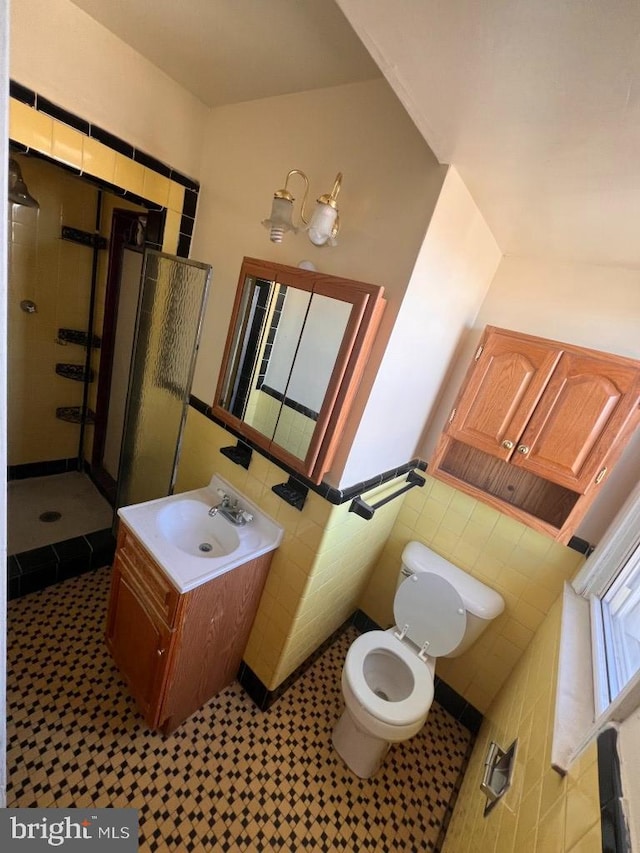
324, 223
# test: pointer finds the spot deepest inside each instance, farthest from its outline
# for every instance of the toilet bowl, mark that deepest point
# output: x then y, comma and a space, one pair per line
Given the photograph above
387, 688
388, 676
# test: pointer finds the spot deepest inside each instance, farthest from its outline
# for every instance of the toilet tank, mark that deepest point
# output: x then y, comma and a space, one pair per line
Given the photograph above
481, 602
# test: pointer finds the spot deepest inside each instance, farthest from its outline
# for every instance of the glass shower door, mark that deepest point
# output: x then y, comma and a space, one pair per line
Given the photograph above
172, 299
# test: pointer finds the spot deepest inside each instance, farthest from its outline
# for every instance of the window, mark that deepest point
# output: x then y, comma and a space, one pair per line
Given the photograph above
600, 642
621, 618
616, 633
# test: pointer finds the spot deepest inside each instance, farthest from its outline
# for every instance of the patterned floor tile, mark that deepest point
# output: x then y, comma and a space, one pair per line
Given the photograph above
231, 778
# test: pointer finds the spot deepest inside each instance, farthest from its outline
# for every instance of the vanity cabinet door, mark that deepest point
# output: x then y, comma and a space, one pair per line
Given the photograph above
501, 391
586, 407
172, 667
139, 641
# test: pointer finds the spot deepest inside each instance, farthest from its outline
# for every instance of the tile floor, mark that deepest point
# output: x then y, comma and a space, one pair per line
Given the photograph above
232, 778
73, 495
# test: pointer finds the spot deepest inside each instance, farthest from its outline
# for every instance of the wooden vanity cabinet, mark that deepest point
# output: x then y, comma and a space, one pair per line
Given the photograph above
537, 427
177, 650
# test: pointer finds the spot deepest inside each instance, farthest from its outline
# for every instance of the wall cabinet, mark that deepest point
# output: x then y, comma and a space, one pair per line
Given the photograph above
537, 427
296, 349
177, 650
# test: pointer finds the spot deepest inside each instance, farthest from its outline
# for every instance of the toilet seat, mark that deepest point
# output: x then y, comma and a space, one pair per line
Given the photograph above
430, 612
401, 713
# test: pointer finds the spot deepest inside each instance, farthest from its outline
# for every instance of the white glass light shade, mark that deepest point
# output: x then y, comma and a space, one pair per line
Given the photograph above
18, 192
280, 220
322, 224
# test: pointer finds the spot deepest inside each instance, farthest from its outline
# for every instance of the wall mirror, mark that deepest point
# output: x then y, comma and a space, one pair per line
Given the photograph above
296, 347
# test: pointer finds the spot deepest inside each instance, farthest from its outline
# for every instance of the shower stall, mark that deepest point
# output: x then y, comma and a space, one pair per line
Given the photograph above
102, 336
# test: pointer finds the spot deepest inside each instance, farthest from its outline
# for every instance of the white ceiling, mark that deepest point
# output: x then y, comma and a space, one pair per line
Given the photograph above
226, 51
536, 102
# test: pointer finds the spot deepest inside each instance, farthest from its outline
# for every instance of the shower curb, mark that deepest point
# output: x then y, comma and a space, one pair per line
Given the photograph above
30, 571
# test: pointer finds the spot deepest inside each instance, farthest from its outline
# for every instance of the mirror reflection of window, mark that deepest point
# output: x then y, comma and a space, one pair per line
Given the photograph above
284, 349
283, 327
295, 351
249, 341
314, 359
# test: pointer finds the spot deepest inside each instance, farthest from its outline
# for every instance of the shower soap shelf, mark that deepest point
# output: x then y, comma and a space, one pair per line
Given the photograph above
84, 238
76, 336
74, 415
78, 372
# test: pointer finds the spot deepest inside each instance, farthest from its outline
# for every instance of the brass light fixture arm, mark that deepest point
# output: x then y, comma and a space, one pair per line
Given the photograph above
330, 199
284, 193
333, 195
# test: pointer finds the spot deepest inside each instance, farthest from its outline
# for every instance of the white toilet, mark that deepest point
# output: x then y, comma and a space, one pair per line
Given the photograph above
387, 678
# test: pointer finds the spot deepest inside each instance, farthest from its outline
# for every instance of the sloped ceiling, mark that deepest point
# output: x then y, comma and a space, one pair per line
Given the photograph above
227, 51
537, 103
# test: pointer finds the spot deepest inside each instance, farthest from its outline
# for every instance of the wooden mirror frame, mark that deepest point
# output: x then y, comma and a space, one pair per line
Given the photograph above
367, 301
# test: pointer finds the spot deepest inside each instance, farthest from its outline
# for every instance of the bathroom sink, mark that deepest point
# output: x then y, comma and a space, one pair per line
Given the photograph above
194, 547
187, 525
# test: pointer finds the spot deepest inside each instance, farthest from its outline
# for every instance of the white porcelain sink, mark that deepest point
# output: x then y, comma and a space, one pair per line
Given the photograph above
194, 547
187, 524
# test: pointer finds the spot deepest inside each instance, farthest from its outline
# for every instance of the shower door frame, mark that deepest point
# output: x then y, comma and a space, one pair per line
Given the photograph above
130, 413
122, 223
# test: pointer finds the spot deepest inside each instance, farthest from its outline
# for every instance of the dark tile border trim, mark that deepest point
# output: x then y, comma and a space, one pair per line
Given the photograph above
261, 695
445, 696
44, 105
42, 469
615, 832
192, 188
151, 163
22, 93
329, 493
31, 571
340, 496
111, 141
290, 402
453, 799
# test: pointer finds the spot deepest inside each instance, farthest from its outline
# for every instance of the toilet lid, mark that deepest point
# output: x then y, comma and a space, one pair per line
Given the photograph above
433, 611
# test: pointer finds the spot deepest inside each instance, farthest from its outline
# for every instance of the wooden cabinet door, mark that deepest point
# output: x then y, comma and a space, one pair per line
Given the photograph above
501, 392
589, 404
139, 643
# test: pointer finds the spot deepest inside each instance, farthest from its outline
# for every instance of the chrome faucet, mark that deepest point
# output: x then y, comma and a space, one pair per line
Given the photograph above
231, 510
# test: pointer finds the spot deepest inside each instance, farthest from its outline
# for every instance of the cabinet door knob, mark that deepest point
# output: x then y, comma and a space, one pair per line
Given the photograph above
160, 652
507, 444
522, 448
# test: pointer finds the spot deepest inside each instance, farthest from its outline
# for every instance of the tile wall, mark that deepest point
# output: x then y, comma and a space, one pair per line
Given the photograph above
319, 572
88, 156
542, 811
294, 428
56, 274
527, 568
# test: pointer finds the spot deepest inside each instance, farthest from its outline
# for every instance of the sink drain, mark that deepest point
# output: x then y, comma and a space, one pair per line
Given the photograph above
51, 515
205, 547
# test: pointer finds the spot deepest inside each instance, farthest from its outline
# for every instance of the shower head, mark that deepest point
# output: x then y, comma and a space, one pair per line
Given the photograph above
18, 192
